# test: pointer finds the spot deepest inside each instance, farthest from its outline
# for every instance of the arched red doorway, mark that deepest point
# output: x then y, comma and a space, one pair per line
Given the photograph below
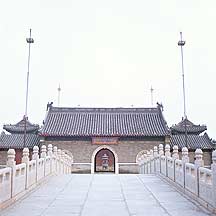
104, 161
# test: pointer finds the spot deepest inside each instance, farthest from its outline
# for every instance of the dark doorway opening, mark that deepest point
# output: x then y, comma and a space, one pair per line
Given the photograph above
104, 161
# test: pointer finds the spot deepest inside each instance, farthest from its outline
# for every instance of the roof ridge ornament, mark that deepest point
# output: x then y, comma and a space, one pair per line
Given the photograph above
49, 106
160, 106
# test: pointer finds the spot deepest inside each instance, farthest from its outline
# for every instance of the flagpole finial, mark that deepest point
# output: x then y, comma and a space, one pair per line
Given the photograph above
59, 94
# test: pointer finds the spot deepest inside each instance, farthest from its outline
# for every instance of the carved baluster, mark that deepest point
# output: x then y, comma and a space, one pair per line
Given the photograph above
175, 154
185, 157
43, 151
213, 168
11, 158
59, 153
50, 148
167, 150
155, 151
151, 154
25, 157
161, 151
35, 155
199, 158
55, 151
151, 161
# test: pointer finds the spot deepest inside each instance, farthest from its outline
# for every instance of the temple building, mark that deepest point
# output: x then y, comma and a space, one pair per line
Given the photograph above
13, 137
92, 134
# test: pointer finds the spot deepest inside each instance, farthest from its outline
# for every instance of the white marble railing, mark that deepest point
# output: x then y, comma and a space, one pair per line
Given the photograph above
192, 179
179, 172
206, 184
5, 182
18, 179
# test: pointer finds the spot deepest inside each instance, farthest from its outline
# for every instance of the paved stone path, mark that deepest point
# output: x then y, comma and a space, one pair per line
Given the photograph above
104, 195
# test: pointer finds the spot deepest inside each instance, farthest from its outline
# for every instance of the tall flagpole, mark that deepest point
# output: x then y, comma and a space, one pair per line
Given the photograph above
152, 101
29, 40
59, 94
181, 43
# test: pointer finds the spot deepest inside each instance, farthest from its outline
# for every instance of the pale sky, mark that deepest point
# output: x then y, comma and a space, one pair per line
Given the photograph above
109, 54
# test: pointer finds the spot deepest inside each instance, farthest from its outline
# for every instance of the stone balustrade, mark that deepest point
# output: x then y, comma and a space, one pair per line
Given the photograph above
192, 179
18, 179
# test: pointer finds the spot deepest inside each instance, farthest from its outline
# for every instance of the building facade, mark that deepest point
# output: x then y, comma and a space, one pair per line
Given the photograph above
105, 139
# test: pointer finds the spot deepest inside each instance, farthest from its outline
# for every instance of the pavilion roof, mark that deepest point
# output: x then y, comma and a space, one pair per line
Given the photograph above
116, 122
16, 141
190, 127
193, 141
20, 127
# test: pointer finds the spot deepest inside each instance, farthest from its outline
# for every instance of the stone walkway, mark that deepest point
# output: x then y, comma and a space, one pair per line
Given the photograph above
104, 195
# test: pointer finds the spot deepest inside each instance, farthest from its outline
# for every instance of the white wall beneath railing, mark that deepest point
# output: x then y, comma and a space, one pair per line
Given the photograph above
193, 179
17, 180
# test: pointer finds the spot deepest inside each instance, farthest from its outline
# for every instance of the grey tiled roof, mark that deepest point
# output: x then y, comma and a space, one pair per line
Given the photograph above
16, 140
104, 122
20, 127
194, 141
190, 127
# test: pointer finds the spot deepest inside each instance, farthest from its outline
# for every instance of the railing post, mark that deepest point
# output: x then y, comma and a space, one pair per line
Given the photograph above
59, 162
151, 161
43, 155
161, 152
175, 156
185, 159
141, 162
25, 156
11, 158
148, 162
43, 151
213, 168
145, 163
142, 165
167, 154
35, 157
156, 159
167, 150
50, 154
69, 164
63, 161
198, 163
25, 159
11, 163
55, 153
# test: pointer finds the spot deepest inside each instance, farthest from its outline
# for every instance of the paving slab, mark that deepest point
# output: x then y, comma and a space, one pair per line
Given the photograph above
106, 195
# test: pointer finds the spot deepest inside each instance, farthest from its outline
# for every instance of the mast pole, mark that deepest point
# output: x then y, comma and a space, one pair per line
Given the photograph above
29, 41
59, 92
181, 43
152, 96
